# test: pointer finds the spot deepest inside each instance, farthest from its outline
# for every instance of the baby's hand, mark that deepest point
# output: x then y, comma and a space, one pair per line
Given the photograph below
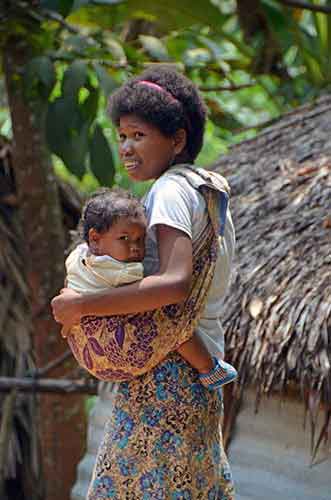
66, 309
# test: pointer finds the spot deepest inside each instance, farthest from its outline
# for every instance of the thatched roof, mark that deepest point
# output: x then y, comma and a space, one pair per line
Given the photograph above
16, 412
278, 312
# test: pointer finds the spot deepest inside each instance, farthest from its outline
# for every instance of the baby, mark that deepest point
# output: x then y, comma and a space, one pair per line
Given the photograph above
113, 226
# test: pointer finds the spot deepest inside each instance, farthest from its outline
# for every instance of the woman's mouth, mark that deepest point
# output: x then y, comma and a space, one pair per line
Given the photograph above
130, 165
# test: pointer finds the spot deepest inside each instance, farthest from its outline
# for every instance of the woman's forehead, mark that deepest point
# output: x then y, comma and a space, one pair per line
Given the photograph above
134, 121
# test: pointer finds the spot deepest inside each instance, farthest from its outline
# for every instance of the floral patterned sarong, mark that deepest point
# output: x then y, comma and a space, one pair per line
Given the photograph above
118, 348
163, 440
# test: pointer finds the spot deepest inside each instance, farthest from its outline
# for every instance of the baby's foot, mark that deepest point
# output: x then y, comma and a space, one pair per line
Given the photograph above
222, 373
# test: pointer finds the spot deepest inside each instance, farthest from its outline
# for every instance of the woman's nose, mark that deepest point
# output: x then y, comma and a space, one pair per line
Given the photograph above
126, 148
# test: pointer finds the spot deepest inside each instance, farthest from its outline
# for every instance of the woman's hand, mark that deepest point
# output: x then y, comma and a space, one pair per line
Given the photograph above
66, 309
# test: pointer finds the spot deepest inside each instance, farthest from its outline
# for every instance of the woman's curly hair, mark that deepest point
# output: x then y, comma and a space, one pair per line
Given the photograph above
179, 106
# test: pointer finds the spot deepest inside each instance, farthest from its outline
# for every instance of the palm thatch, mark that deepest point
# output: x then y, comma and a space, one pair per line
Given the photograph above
17, 414
278, 312
20, 473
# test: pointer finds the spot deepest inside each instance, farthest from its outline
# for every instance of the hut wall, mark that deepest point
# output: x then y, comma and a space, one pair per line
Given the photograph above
270, 453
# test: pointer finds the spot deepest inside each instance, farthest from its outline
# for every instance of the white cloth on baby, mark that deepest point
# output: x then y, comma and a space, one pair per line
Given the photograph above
88, 273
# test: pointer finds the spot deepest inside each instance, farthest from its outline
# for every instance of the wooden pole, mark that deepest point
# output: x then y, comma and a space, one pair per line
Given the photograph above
49, 385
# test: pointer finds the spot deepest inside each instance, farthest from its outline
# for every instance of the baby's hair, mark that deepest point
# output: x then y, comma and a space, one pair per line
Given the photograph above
172, 103
105, 206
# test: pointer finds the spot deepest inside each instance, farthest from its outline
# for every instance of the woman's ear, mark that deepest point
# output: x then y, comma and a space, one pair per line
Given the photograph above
180, 138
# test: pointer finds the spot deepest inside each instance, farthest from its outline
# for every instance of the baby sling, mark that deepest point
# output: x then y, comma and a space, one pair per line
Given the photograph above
120, 347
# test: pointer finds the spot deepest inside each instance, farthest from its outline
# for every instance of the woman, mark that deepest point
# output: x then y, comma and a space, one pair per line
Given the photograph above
163, 439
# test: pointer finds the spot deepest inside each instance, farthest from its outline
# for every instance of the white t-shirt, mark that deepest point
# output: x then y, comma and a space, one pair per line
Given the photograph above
172, 201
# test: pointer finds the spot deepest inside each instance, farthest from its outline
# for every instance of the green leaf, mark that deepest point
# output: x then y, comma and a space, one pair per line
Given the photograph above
169, 14
178, 44
328, 62
80, 3
67, 133
101, 158
86, 15
60, 119
220, 117
107, 83
197, 57
89, 107
279, 22
40, 70
75, 77
115, 49
63, 7
177, 14
79, 149
277, 15
155, 48
216, 49
79, 43
63, 115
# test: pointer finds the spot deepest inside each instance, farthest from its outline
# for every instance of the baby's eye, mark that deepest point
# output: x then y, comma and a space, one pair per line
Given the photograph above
124, 238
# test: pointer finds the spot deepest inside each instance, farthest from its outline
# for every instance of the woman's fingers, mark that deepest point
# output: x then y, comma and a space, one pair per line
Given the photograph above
63, 306
55, 307
64, 310
65, 330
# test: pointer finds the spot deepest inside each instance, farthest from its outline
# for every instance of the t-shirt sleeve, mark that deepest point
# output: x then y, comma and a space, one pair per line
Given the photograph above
172, 204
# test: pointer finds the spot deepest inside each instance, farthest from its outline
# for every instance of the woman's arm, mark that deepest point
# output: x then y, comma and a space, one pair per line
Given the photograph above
169, 286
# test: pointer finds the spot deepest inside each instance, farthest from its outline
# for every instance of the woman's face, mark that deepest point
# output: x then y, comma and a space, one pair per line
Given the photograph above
144, 150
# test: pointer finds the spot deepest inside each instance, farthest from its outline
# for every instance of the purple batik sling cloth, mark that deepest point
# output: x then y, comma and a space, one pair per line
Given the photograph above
116, 348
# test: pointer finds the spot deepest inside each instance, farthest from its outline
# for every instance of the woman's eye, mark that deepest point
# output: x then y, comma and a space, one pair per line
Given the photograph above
138, 135
121, 137
124, 238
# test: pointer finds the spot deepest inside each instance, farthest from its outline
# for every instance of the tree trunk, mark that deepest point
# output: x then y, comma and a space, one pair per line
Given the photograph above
62, 421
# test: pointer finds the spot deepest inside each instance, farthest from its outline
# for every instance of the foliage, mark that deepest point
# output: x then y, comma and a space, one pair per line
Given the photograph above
83, 49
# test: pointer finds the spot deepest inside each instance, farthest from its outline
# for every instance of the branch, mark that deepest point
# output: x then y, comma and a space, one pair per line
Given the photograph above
41, 372
102, 62
299, 4
54, 16
49, 385
228, 88
41, 15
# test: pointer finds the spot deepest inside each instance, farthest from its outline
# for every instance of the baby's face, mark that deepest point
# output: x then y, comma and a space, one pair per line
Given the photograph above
124, 240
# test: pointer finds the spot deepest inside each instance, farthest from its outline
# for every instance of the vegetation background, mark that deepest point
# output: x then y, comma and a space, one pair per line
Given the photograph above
253, 60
